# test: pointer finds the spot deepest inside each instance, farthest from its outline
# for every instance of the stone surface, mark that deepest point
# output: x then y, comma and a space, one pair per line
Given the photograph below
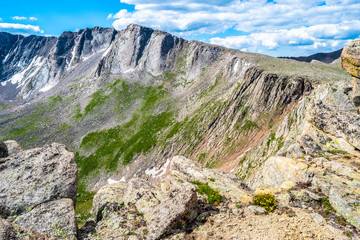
113, 193
163, 208
317, 217
278, 172
13, 147
227, 184
350, 58
350, 61
35, 176
11, 231
170, 213
257, 209
55, 218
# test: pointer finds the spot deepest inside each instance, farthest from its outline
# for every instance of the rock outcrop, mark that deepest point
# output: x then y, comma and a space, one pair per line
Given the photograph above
38, 189
12, 231
164, 204
350, 61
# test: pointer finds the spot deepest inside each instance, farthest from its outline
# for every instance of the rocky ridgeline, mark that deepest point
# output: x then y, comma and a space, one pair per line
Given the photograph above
179, 200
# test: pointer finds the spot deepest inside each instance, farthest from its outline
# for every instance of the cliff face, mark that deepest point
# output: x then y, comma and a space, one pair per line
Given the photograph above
35, 64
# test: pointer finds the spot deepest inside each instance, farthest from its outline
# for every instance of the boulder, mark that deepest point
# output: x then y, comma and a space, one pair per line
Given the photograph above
173, 212
227, 184
334, 121
257, 209
55, 218
113, 193
36, 176
278, 172
163, 208
8, 148
13, 147
350, 61
350, 58
11, 231
343, 194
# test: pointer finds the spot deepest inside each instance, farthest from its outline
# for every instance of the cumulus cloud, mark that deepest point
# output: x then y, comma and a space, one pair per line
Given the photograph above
313, 37
18, 26
269, 23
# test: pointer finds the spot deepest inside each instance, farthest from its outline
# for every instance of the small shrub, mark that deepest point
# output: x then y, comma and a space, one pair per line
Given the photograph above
238, 205
326, 205
337, 151
341, 220
348, 234
213, 197
212, 179
267, 201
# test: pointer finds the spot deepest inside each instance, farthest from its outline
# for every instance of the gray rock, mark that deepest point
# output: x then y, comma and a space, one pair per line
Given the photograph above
13, 147
35, 176
163, 208
317, 217
55, 218
11, 231
312, 195
113, 193
350, 58
257, 209
350, 61
238, 211
172, 212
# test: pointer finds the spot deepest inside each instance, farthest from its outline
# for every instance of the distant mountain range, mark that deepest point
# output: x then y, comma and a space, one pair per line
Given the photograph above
322, 57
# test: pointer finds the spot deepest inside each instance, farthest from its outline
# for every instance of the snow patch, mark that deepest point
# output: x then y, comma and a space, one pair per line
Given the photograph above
47, 87
110, 181
158, 173
107, 51
238, 158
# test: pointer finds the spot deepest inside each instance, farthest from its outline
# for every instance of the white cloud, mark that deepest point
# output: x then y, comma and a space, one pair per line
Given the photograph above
21, 27
19, 18
24, 18
313, 37
268, 24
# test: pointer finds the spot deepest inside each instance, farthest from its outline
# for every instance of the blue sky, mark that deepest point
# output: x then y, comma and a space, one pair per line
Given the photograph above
273, 27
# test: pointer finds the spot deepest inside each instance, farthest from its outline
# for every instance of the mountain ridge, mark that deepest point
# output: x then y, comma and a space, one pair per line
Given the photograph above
126, 102
328, 57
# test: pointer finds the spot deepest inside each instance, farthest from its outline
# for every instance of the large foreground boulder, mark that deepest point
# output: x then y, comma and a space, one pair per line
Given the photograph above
160, 210
55, 218
35, 176
38, 189
350, 61
11, 231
